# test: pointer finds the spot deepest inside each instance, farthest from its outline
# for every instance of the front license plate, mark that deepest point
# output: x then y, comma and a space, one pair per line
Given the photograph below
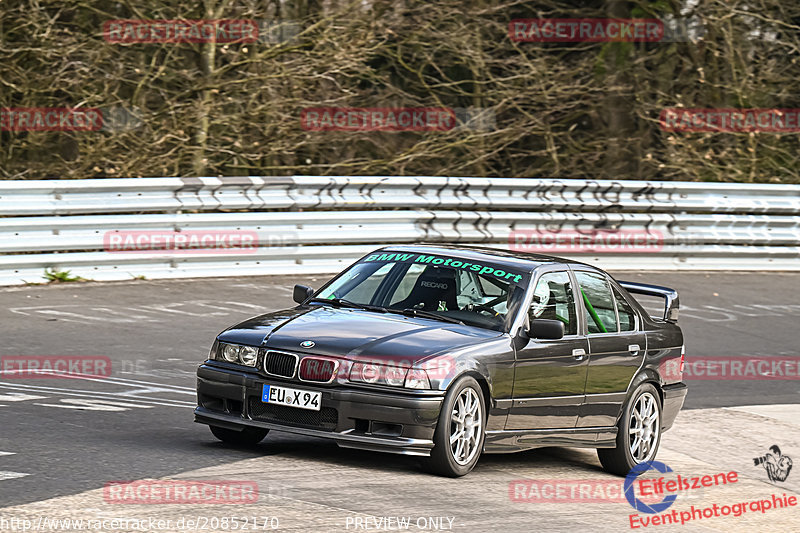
301, 399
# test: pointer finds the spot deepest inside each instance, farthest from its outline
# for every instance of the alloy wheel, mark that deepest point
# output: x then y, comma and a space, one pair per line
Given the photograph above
466, 425
644, 428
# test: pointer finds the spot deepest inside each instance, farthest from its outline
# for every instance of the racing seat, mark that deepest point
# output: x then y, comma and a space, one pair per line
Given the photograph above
558, 296
434, 285
549, 311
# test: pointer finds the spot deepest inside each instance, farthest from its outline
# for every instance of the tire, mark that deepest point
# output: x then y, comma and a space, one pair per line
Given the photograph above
634, 447
246, 437
465, 396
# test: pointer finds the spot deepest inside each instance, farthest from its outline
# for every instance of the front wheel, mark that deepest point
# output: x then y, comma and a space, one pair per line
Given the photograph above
458, 439
246, 437
638, 432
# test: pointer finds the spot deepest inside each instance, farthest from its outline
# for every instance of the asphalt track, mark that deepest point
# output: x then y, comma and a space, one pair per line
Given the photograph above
62, 437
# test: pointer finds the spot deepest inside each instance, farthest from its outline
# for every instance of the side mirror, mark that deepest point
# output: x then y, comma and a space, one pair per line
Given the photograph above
542, 328
301, 293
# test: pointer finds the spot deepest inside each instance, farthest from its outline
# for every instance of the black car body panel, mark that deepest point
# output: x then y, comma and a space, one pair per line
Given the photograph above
569, 391
354, 332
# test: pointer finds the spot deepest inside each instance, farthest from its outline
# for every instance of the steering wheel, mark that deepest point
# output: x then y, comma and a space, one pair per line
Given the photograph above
483, 308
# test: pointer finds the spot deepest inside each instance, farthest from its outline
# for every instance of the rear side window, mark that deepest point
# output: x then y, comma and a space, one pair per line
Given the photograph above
598, 302
627, 320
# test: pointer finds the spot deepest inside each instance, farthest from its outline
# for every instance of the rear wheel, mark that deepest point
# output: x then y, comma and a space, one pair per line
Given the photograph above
246, 437
458, 439
638, 432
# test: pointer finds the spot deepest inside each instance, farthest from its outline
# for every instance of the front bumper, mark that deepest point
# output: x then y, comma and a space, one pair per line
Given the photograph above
396, 422
674, 396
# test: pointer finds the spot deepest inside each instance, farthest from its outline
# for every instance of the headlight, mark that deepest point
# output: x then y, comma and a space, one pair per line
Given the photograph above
248, 355
235, 353
377, 374
230, 353
393, 376
365, 372
417, 379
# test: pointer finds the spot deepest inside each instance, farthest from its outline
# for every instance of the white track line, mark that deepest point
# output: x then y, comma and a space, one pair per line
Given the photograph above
11, 475
127, 396
110, 379
5, 474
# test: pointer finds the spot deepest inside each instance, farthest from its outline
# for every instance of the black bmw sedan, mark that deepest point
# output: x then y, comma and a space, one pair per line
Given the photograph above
448, 352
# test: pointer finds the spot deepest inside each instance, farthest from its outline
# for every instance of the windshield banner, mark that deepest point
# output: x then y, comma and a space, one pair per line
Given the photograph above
481, 269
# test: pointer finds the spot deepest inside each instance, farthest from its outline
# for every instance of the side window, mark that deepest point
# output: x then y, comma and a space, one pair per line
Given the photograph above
553, 299
598, 302
627, 319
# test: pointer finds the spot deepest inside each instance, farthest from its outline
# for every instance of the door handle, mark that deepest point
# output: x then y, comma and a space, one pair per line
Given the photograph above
578, 354
634, 349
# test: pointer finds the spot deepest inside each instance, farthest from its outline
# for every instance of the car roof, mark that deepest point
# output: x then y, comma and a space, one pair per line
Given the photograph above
523, 260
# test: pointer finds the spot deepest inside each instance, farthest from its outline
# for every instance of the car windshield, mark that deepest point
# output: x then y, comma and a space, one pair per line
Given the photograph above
482, 294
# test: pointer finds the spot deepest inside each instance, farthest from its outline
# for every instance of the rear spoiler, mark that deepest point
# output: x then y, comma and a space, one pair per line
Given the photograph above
671, 303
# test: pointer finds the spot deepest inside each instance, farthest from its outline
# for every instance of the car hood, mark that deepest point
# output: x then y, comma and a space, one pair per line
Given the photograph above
355, 334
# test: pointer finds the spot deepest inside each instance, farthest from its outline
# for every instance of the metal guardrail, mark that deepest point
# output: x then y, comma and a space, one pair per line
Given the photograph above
172, 195
311, 224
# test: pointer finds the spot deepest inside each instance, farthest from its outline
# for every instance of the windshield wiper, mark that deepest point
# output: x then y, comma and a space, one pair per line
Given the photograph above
341, 302
429, 314
336, 302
